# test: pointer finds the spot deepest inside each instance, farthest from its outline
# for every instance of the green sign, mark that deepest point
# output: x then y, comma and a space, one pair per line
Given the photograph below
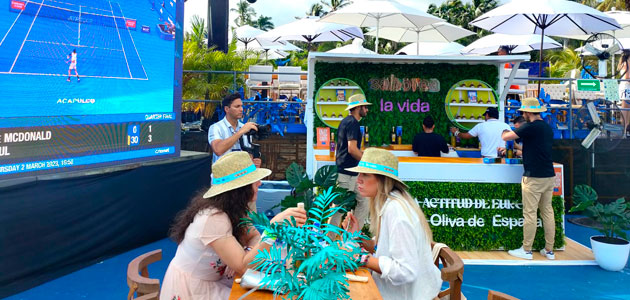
588, 85
480, 216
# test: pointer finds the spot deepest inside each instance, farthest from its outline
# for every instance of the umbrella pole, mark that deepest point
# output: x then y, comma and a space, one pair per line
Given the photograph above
542, 37
378, 21
418, 43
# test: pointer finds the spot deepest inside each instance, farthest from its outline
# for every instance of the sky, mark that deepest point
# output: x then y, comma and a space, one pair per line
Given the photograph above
281, 11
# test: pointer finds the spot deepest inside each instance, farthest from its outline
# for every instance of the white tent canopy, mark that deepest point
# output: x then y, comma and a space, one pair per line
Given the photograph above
355, 48
379, 14
517, 43
432, 48
310, 31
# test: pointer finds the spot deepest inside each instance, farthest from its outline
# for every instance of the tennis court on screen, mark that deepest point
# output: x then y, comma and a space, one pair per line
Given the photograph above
45, 32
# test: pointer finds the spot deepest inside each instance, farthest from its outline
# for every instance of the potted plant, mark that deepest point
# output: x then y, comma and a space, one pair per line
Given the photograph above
611, 249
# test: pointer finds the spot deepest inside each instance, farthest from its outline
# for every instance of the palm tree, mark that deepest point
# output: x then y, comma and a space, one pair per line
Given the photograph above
264, 23
245, 13
458, 13
606, 5
561, 63
199, 32
334, 5
316, 10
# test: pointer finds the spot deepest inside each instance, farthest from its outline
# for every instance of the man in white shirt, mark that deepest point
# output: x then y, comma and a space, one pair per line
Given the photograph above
489, 133
224, 136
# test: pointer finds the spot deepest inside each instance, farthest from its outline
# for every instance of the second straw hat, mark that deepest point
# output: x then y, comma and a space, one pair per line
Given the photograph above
357, 100
378, 161
232, 171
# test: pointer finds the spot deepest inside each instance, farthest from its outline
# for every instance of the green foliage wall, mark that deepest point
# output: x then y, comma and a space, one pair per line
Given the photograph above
487, 237
380, 123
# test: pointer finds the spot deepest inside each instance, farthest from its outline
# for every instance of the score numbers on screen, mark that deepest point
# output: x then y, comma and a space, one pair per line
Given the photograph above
133, 135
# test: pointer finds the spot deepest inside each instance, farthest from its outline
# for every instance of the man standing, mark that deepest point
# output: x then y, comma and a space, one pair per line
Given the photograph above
224, 136
538, 179
429, 143
349, 154
489, 133
73, 65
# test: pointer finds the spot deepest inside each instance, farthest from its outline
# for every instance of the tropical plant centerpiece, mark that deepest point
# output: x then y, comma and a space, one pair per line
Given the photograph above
612, 248
305, 190
314, 266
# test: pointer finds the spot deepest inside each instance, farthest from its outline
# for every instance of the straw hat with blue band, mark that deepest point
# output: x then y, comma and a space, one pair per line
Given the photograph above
532, 105
232, 171
357, 100
378, 161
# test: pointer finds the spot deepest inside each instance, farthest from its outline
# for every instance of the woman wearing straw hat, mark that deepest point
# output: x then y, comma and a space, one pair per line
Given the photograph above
402, 263
212, 246
538, 180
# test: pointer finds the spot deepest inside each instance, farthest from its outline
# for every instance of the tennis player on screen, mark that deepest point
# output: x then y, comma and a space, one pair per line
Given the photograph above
73, 64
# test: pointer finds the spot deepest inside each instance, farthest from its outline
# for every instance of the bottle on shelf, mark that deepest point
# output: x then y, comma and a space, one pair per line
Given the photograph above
393, 135
463, 116
399, 134
328, 100
324, 115
453, 144
321, 99
367, 137
509, 149
332, 144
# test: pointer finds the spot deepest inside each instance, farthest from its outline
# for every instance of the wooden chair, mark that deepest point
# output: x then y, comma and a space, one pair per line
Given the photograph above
138, 277
452, 271
492, 295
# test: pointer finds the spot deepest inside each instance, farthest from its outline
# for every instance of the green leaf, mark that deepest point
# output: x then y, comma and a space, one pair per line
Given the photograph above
326, 176
295, 175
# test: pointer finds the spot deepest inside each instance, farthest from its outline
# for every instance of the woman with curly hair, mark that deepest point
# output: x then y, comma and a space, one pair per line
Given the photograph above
212, 245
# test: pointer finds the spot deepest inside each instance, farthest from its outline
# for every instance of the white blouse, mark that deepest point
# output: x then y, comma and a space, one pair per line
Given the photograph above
404, 255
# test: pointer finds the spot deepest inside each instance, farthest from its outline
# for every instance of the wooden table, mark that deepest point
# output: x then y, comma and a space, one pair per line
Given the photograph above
358, 290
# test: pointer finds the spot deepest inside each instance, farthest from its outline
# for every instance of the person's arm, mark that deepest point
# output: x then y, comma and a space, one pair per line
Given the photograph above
415, 145
220, 146
509, 135
354, 151
461, 135
232, 253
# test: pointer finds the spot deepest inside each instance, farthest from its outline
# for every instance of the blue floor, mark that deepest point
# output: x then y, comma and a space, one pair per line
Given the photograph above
107, 280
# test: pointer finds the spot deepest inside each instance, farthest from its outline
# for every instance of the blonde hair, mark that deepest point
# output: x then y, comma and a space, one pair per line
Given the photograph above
384, 191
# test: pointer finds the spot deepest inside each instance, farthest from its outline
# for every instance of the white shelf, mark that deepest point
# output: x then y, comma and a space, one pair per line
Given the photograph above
340, 87
332, 119
472, 89
468, 121
472, 104
332, 103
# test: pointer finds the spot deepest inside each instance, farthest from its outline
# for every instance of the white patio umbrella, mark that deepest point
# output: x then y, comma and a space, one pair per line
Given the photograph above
516, 43
379, 14
622, 17
271, 49
247, 34
441, 32
553, 17
355, 48
432, 48
310, 31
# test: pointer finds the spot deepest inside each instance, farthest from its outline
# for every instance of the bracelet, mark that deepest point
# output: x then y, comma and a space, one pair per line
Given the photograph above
457, 133
268, 238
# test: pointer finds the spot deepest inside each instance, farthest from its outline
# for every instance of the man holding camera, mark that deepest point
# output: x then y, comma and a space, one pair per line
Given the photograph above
226, 135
